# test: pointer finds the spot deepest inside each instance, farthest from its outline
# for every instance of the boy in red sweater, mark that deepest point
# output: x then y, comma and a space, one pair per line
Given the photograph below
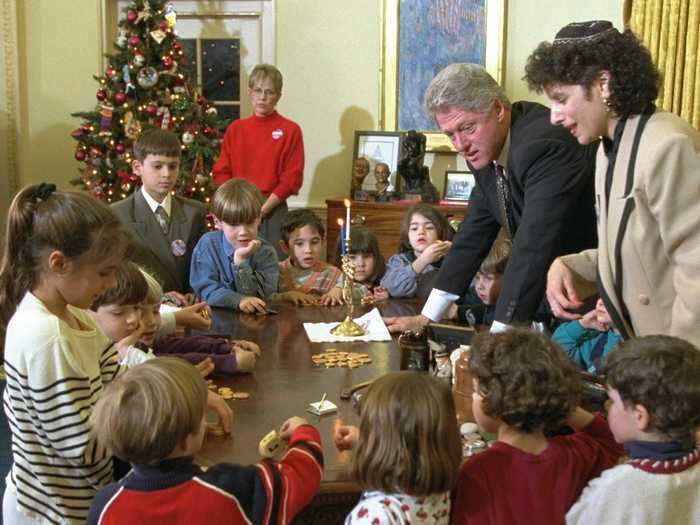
524, 384
154, 417
265, 149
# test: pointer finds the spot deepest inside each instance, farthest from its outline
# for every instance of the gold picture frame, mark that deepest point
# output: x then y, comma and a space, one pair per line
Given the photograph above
495, 19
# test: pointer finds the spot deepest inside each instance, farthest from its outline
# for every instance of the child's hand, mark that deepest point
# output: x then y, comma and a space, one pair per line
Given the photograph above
346, 437
241, 254
205, 367
332, 298
590, 322
451, 313
176, 299
298, 298
245, 360
290, 426
194, 317
435, 251
379, 293
130, 340
248, 346
216, 403
252, 305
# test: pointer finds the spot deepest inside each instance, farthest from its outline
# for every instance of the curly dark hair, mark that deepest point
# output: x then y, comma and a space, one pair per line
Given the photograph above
634, 79
525, 379
660, 373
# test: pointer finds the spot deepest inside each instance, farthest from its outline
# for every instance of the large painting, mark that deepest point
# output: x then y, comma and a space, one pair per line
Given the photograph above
420, 38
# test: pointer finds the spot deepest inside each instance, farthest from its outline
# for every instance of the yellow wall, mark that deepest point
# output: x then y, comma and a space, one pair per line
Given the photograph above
328, 51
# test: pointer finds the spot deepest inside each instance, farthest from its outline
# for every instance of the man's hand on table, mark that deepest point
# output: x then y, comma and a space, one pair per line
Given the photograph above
413, 323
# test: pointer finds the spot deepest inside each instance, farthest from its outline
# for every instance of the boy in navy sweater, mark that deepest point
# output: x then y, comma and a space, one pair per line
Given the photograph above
153, 416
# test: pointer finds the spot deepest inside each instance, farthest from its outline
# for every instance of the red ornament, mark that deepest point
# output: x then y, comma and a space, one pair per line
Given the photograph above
80, 154
163, 25
201, 100
134, 41
151, 109
131, 16
86, 128
209, 132
120, 148
168, 62
110, 72
177, 46
101, 94
95, 153
119, 97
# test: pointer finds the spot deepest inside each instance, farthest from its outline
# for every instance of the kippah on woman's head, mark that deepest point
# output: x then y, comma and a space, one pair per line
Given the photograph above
583, 32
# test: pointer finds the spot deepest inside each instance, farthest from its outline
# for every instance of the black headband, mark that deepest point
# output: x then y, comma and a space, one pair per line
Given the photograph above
43, 191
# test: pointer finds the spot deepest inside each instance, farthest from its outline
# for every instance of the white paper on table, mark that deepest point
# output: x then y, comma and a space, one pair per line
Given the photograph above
371, 322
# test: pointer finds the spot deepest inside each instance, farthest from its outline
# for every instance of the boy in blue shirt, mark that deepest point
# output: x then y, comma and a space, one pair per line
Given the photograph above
232, 267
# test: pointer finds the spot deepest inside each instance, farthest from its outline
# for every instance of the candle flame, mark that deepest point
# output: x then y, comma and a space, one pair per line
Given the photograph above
347, 203
341, 222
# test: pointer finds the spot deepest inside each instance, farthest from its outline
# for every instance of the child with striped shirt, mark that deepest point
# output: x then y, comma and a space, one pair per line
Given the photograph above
62, 249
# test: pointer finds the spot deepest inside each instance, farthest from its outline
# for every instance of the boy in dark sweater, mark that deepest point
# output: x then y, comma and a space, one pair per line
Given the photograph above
153, 416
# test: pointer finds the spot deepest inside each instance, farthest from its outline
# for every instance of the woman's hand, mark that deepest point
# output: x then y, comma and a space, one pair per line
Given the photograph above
561, 292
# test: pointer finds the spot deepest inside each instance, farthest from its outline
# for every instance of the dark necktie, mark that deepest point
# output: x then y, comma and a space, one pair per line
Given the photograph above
162, 218
503, 193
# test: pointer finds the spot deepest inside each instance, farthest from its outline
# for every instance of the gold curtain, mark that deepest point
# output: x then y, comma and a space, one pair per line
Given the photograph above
670, 28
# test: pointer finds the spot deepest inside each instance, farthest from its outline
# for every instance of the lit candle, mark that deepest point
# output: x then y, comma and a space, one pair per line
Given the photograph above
347, 219
341, 236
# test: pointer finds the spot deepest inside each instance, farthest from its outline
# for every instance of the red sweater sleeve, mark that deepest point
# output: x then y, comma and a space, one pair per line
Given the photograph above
292, 482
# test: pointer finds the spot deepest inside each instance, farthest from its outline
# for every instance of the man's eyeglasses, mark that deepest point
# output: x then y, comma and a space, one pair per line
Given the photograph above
259, 92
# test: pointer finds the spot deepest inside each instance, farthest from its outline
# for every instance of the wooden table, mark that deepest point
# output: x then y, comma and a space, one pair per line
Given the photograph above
285, 381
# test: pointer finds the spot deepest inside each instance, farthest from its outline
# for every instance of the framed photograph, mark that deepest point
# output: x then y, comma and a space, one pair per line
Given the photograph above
374, 163
458, 186
419, 38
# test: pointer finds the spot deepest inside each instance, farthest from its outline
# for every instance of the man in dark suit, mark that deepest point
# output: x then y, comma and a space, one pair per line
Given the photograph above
544, 198
165, 227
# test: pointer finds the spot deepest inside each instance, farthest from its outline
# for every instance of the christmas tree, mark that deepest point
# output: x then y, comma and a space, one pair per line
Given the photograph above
140, 89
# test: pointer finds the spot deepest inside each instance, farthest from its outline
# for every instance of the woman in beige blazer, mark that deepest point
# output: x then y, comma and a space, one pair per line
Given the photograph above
602, 83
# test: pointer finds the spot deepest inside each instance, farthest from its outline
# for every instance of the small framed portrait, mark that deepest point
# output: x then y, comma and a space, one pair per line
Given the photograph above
374, 163
458, 186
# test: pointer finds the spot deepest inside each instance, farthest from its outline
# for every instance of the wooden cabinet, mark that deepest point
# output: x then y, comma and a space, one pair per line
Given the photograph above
383, 218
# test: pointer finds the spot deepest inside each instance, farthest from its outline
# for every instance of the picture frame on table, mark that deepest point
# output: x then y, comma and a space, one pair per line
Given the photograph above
458, 186
375, 153
421, 37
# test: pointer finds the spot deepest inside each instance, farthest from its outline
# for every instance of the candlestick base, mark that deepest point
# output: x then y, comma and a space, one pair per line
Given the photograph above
348, 328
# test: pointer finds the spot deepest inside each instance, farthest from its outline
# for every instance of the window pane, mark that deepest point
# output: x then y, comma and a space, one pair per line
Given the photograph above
189, 67
229, 113
220, 69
